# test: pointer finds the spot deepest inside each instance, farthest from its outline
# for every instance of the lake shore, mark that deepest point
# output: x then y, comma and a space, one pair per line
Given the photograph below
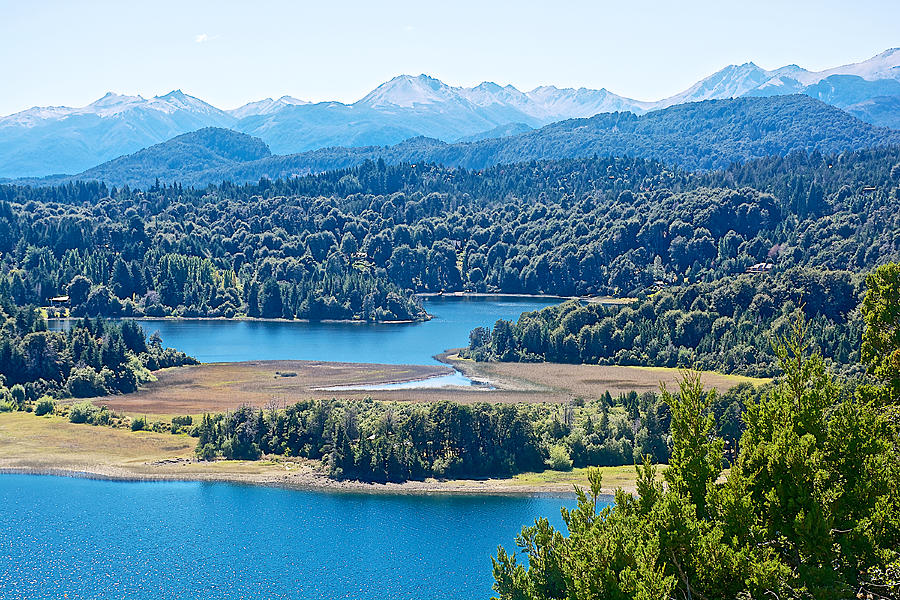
425, 318
610, 300
52, 446
308, 479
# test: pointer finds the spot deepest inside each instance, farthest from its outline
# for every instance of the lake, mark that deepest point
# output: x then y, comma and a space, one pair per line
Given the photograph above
393, 343
76, 538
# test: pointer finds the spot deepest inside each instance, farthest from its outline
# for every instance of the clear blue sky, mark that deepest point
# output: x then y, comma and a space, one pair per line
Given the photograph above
228, 53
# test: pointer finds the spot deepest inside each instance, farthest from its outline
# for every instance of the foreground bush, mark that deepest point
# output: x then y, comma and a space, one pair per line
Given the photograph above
809, 509
83, 412
45, 406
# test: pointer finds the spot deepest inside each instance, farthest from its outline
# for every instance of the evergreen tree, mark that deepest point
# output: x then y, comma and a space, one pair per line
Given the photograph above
270, 302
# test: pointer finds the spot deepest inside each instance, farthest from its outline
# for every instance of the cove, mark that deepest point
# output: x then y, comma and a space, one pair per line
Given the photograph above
391, 343
78, 538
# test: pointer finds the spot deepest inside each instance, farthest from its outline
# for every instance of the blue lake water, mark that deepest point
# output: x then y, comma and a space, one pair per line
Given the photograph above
392, 343
79, 539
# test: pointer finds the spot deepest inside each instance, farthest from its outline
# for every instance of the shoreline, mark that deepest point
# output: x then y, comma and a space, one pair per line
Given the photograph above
311, 481
608, 300
588, 299
425, 319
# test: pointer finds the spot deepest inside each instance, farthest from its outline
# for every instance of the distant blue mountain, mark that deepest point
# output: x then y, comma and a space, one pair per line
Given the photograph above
699, 135
43, 141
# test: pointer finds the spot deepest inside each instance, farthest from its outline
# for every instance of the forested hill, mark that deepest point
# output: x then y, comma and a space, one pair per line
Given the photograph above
210, 148
697, 136
201, 150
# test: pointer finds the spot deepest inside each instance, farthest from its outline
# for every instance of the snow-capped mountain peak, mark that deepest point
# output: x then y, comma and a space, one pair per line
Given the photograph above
488, 93
111, 104
566, 103
731, 82
881, 66
407, 91
176, 100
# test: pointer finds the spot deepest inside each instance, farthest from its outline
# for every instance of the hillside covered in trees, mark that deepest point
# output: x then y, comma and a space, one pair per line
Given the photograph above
357, 244
723, 325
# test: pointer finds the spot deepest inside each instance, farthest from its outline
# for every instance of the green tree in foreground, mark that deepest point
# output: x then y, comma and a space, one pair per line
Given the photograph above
810, 509
881, 339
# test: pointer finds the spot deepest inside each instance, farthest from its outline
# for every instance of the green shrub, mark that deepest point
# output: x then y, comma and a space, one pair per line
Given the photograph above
206, 452
18, 396
559, 459
138, 423
102, 417
83, 412
181, 424
45, 405
86, 383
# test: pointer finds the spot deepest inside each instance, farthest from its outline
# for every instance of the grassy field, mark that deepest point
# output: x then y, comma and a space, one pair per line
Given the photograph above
587, 381
49, 442
613, 478
219, 387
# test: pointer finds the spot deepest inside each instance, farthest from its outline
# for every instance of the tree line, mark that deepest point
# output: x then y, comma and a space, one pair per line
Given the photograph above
725, 325
382, 441
91, 358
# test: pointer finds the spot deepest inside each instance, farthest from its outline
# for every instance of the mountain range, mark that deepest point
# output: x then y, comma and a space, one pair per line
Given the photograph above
697, 135
46, 140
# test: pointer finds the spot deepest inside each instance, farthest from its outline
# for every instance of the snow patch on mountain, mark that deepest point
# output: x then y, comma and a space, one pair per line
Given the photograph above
882, 66
731, 82
265, 106
115, 105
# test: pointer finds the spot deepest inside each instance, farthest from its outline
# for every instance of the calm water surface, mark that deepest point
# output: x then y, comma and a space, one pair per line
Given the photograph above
75, 538
408, 343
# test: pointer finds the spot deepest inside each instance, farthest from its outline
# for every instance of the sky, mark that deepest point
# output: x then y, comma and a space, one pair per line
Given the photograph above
230, 53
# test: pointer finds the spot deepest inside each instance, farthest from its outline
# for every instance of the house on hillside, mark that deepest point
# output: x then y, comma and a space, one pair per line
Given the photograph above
59, 302
760, 268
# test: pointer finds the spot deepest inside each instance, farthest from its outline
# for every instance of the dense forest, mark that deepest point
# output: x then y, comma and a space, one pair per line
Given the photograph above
380, 441
358, 244
92, 358
725, 325
809, 508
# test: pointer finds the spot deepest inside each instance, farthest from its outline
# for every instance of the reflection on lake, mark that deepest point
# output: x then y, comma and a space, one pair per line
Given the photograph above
393, 343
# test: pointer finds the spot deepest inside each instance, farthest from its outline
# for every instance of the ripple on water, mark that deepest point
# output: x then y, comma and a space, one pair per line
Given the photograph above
77, 538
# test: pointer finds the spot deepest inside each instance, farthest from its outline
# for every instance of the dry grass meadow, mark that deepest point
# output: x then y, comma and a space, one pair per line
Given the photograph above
218, 387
